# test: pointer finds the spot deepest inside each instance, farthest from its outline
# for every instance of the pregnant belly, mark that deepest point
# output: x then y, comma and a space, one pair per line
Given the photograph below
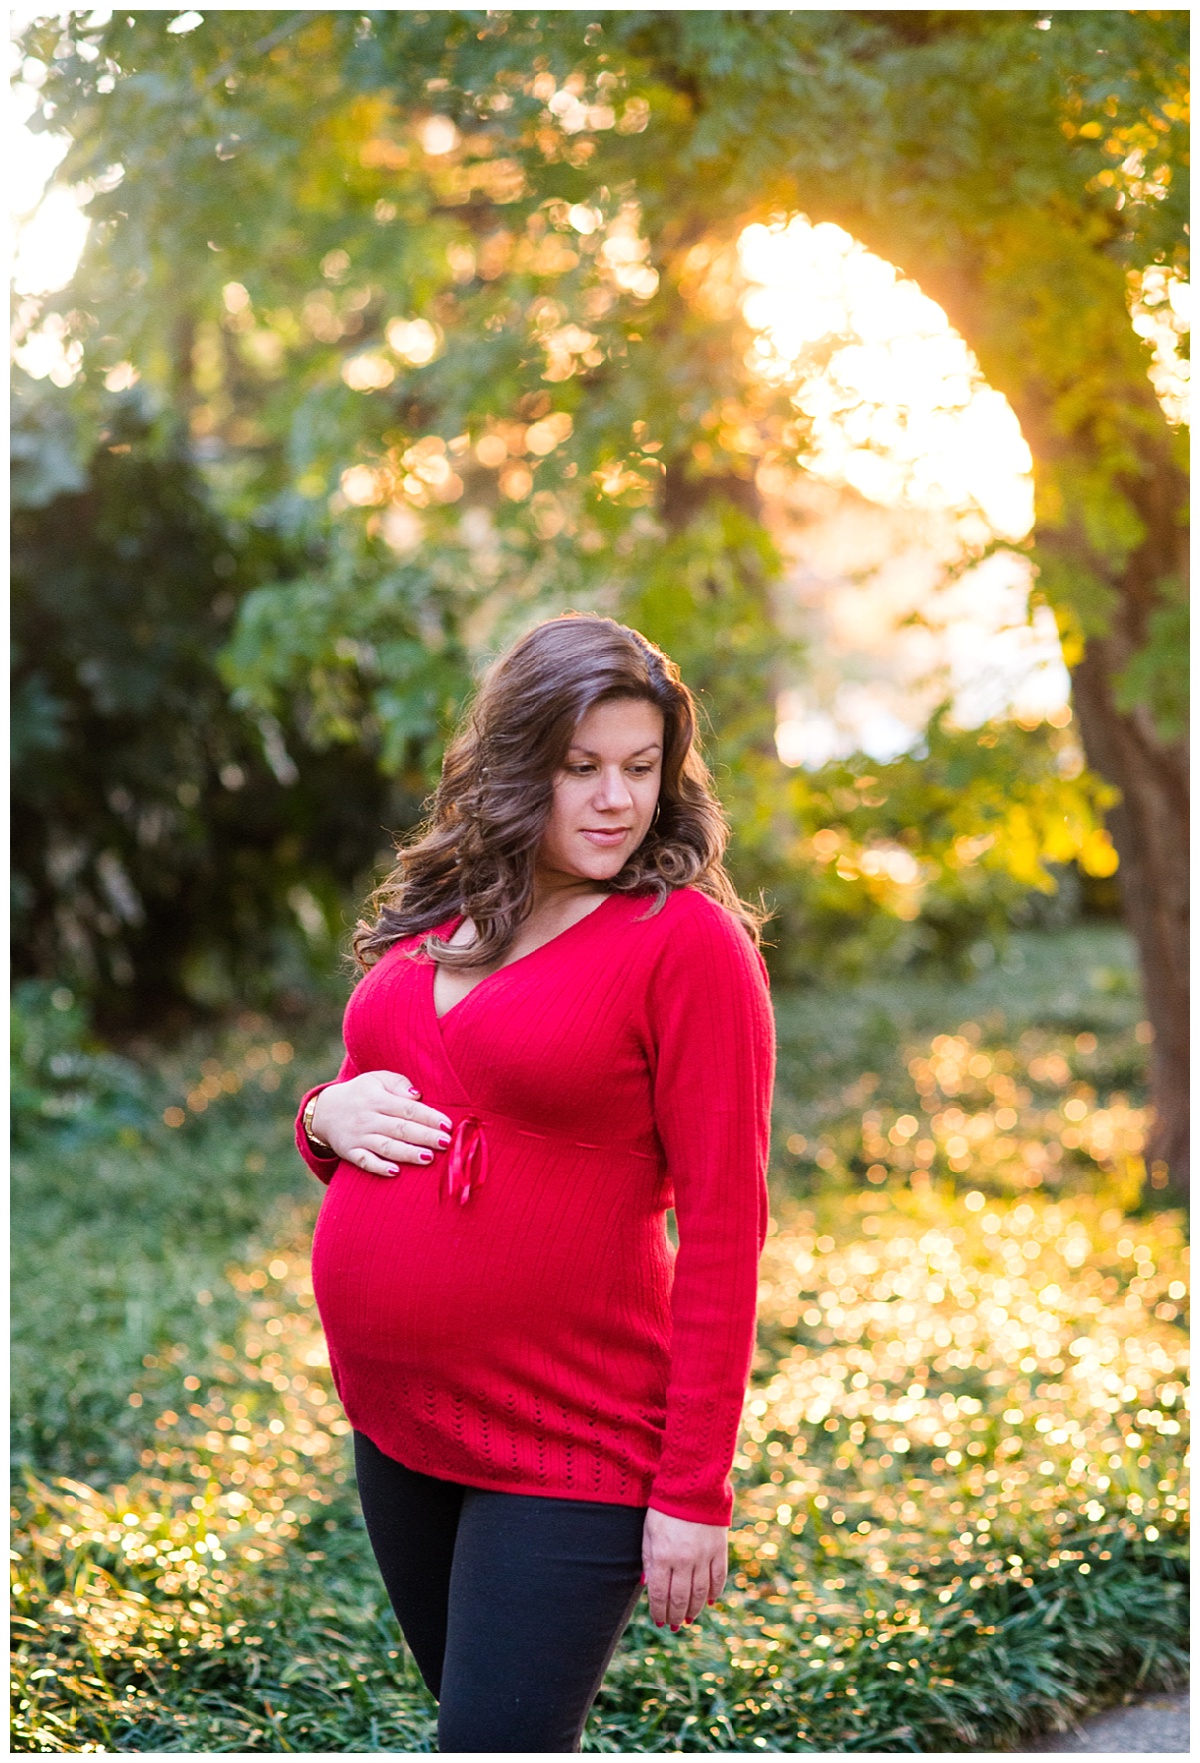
406, 1276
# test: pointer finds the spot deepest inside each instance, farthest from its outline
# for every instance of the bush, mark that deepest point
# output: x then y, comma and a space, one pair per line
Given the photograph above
64, 1083
173, 854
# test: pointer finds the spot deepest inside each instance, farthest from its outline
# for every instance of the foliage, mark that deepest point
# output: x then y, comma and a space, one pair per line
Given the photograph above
1157, 675
202, 1582
182, 1611
127, 1209
932, 854
924, 1481
376, 267
447, 304
142, 922
169, 850
1012, 1118
64, 1087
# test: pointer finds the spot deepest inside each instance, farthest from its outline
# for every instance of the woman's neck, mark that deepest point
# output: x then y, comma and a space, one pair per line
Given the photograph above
558, 902
555, 893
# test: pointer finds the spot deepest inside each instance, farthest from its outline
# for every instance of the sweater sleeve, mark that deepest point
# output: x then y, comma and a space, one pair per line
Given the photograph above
322, 1167
713, 1041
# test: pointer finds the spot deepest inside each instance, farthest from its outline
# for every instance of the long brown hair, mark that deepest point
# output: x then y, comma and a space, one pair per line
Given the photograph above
475, 853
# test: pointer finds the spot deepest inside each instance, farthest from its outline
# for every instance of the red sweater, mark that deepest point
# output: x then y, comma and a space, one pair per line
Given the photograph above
513, 1316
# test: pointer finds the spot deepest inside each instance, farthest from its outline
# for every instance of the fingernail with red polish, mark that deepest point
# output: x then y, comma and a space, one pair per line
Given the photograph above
393, 1169
426, 1156
443, 1143
414, 1092
643, 1579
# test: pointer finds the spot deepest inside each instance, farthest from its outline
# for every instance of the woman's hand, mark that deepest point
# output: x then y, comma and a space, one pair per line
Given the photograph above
685, 1566
376, 1121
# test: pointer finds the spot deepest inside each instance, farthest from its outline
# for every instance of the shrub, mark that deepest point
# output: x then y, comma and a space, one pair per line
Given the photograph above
64, 1083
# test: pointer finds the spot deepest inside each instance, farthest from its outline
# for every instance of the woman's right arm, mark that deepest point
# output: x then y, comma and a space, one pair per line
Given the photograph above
373, 1119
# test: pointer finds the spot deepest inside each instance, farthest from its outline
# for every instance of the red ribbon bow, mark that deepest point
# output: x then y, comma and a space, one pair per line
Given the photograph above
467, 1162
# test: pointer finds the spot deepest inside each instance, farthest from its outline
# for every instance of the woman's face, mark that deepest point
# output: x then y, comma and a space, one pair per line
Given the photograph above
606, 791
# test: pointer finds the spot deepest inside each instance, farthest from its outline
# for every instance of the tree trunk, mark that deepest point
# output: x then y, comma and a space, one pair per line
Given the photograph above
1149, 827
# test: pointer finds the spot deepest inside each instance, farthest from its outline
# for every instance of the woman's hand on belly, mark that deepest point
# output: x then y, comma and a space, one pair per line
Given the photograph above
376, 1122
685, 1566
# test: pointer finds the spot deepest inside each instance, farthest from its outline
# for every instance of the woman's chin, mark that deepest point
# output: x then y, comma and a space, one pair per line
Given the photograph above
592, 865
603, 864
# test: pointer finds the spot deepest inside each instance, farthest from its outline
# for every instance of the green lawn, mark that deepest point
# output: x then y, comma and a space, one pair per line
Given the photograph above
960, 1509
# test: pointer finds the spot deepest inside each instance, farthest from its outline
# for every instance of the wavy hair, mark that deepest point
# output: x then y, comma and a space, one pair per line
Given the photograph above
475, 852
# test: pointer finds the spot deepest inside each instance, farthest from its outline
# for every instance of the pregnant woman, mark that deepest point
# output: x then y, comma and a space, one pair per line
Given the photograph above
563, 1031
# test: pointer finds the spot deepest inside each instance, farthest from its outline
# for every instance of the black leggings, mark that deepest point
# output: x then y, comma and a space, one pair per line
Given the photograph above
512, 1604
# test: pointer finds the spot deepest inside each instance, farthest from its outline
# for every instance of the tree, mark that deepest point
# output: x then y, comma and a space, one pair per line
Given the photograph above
1028, 169
436, 290
1031, 237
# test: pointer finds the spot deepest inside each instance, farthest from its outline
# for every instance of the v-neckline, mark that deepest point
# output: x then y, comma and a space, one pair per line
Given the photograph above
507, 965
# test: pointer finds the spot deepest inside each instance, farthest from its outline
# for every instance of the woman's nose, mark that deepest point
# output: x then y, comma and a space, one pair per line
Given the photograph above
612, 790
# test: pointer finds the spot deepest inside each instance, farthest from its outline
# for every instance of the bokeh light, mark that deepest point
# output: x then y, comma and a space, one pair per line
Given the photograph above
1162, 314
956, 1400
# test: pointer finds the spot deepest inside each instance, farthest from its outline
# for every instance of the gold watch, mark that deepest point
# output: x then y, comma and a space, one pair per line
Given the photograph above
306, 1119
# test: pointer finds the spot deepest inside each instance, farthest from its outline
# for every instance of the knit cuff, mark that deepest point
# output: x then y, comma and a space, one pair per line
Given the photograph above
712, 1504
694, 1511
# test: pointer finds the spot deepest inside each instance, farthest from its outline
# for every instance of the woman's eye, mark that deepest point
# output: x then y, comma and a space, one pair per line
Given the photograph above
586, 769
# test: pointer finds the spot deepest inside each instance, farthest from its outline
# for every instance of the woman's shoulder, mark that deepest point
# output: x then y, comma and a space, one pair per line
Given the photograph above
398, 957
413, 942
700, 964
691, 925
403, 948
691, 909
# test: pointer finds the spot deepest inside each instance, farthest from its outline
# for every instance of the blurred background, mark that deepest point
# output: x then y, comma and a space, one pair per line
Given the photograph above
843, 353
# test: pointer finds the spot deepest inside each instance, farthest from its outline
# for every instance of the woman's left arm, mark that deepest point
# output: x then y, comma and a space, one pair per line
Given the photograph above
712, 1032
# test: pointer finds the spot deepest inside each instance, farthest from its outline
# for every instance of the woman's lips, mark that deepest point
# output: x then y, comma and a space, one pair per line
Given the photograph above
605, 836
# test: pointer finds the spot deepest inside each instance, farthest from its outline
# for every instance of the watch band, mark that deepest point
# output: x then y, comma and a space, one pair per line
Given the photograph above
318, 1145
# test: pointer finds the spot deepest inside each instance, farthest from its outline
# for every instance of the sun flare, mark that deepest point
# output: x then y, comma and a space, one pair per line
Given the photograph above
901, 421
898, 408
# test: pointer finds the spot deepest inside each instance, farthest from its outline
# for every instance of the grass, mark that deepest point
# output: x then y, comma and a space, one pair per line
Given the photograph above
122, 1237
960, 1514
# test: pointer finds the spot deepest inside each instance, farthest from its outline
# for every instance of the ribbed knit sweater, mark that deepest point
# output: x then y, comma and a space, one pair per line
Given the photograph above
513, 1316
